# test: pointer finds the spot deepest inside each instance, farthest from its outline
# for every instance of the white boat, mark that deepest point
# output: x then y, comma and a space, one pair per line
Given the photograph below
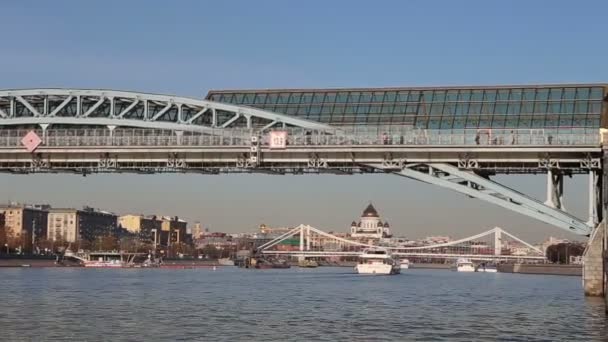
377, 261
104, 264
225, 262
464, 265
404, 264
486, 268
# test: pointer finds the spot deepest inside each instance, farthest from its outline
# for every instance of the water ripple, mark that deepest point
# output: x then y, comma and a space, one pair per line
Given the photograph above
325, 304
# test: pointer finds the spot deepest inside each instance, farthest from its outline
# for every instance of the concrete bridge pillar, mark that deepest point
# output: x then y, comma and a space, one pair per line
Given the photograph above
594, 257
593, 262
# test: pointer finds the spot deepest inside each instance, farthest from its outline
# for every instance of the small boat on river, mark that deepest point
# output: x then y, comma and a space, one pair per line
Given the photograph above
487, 268
307, 263
267, 264
225, 262
464, 265
377, 261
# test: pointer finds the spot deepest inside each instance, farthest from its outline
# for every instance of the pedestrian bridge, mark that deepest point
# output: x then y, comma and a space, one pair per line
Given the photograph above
456, 138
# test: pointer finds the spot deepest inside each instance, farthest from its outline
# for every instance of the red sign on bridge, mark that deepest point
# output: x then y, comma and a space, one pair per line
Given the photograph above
31, 141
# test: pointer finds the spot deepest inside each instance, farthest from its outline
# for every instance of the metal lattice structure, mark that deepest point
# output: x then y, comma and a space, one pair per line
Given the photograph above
474, 185
572, 106
553, 130
112, 108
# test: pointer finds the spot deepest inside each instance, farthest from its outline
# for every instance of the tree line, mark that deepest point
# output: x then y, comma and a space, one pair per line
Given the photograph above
560, 253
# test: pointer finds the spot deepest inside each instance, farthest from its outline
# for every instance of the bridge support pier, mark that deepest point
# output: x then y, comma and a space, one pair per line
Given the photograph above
593, 262
594, 257
595, 204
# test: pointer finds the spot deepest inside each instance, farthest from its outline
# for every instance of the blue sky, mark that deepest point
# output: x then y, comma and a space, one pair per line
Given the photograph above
189, 47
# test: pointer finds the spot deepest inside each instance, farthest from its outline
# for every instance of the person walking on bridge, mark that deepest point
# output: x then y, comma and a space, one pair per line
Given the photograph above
308, 138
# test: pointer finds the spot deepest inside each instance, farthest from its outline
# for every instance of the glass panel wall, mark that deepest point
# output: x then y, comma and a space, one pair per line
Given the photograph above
550, 107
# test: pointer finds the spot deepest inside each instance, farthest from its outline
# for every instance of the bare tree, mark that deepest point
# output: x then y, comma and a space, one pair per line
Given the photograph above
3, 239
129, 244
45, 244
83, 244
12, 239
109, 243
561, 252
211, 252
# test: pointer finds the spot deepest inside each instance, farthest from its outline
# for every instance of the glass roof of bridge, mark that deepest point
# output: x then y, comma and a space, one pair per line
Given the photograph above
568, 106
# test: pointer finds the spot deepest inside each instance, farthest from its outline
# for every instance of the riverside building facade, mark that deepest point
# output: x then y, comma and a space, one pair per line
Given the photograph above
24, 224
71, 225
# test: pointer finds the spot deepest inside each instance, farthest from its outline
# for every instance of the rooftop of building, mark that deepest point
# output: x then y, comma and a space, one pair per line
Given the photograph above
83, 210
370, 211
399, 88
155, 217
170, 218
15, 205
63, 210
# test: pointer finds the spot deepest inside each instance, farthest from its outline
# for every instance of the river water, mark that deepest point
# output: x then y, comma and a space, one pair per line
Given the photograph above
323, 304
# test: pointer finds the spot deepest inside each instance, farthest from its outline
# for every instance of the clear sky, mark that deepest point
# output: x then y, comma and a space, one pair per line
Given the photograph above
189, 47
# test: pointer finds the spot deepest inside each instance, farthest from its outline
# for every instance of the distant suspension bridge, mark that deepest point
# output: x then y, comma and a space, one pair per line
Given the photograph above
493, 245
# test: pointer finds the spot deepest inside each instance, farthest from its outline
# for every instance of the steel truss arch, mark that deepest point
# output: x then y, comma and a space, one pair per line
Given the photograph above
476, 186
133, 109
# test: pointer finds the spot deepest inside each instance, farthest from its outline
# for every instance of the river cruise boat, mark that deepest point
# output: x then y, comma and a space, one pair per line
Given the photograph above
377, 261
404, 264
104, 263
464, 265
107, 259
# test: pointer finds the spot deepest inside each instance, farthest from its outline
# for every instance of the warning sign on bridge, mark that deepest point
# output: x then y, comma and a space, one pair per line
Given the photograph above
31, 141
278, 140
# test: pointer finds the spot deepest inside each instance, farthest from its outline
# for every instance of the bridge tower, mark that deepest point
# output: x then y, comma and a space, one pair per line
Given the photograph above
497, 241
305, 238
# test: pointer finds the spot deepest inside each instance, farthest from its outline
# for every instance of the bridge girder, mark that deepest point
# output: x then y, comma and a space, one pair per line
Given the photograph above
131, 109
476, 186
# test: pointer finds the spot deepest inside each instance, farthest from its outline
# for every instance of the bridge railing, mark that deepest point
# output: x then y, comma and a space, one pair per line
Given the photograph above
529, 137
302, 137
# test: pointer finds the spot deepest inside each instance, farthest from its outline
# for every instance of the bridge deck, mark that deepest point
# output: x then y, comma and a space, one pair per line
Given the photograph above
101, 150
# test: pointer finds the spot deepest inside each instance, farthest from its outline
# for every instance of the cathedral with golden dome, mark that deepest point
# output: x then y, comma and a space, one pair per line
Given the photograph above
370, 225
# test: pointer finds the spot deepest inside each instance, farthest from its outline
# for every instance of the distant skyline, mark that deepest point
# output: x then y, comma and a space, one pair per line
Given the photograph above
239, 203
189, 47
